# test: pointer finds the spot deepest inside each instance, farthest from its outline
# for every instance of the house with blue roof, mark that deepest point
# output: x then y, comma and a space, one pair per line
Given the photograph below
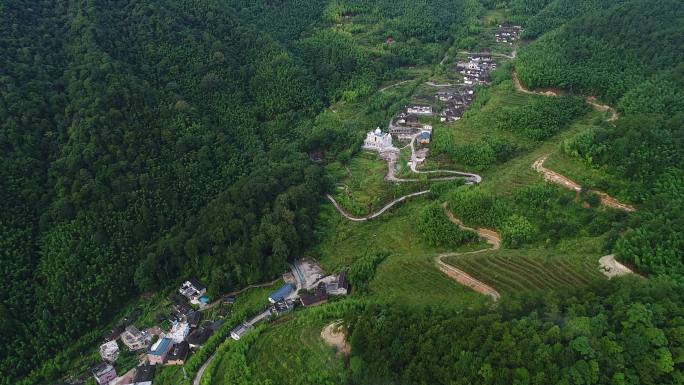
285, 291
158, 351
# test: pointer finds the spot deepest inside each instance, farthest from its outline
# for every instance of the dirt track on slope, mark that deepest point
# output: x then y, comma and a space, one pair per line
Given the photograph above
461, 276
591, 100
557, 178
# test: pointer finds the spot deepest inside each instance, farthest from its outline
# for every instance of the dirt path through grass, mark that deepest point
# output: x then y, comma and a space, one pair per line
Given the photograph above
460, 276
568, 183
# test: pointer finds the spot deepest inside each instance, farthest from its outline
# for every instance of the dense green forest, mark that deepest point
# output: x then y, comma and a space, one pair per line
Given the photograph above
628, 55
627, 332
145, 142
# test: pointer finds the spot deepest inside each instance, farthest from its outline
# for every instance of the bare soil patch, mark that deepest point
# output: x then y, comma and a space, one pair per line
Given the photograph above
335, 335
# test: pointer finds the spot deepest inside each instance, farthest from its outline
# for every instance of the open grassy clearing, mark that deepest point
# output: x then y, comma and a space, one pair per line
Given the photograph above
409, 273
292, 351
517, 172
530, 269
361, 187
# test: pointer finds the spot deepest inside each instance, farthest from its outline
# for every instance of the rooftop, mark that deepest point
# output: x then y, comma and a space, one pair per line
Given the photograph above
144, 373
281, 293
101, 368
160, 347
179, 351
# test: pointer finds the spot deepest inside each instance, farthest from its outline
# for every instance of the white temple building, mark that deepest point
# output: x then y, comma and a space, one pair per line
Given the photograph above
378, 141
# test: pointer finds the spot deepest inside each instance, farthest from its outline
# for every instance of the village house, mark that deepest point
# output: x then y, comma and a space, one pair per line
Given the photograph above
482, 57
178, 354
133, 338
378, 141
423, 138
198, 337
317, 297
419, 110
109, 351
178, 331
281, 294
338, 285
240, 331
194, 290
144, 375
104, 373
403, 132
159, 350
508, 33
282, 307
193, 319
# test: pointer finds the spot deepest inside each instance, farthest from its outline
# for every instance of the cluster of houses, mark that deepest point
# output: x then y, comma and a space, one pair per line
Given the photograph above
306, 285
477, 69
508, 33
457, 102
157, 347
403, 127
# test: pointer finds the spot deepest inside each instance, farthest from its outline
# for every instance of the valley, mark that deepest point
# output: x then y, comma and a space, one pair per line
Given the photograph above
342, 192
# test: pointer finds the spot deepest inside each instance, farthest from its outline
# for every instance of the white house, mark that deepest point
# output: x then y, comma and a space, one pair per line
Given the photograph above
378, 141
419, 110
193, 289
178, 332
240, 331
109, 351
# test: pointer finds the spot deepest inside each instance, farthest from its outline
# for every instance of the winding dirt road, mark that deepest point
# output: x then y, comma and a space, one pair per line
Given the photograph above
460, 276
568, 183
591, 100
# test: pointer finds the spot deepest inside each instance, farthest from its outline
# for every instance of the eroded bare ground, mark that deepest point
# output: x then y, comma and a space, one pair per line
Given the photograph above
460, 276
335, 335
557, 178
610, 267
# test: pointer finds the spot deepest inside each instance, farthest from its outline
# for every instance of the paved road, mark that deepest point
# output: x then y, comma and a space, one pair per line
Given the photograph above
433, 84
202, 369
511, 56
377, 213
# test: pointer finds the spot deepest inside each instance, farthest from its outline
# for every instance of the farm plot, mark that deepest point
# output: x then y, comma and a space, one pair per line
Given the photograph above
529, 270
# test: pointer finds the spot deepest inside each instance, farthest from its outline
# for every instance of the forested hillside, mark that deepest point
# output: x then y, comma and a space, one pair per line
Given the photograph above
630, 55
144, 142
624, 333
147, 142
131, 131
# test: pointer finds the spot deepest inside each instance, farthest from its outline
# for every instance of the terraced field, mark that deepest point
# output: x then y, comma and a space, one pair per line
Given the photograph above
529, 270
